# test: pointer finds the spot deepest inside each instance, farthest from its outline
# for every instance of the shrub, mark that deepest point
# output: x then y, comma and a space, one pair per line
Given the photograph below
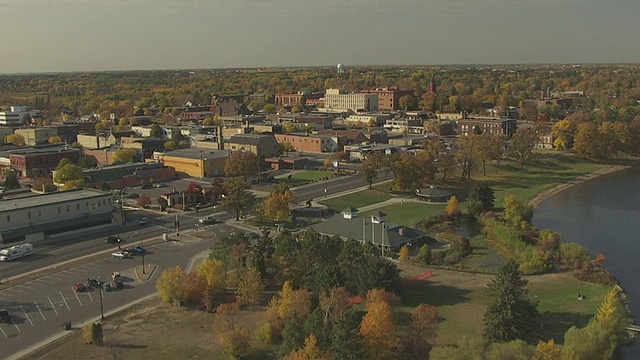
92, 334
595, 276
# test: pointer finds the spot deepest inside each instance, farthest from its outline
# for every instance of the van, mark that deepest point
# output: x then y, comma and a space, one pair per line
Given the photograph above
16, 252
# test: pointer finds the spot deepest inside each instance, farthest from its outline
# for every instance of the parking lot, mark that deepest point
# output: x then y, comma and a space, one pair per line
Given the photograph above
53, 299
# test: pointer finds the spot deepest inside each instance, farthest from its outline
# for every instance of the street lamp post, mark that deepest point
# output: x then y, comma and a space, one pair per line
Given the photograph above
122, 203
197, 228
101, 307
143, 251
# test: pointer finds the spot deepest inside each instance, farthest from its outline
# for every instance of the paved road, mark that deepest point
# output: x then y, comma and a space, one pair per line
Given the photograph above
39, 307
334, 186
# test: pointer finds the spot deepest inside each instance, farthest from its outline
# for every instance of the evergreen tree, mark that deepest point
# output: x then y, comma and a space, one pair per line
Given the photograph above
292, 336
480, 199
510, 314
11, 180
346, 341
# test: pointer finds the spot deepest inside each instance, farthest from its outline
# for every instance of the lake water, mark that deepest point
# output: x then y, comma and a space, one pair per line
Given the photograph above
603, 215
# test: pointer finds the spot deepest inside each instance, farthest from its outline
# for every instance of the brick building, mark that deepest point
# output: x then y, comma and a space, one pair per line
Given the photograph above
389, 98
312, 143
40, 162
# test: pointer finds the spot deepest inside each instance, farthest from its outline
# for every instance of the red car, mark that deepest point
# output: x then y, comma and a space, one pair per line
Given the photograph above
79, 287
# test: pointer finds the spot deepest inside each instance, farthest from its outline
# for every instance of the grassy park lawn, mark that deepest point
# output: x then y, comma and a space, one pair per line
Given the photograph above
461, 301
357, 200
409, 213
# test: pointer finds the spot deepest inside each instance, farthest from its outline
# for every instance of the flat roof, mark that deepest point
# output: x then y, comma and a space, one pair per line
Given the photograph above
49, 198
196, 153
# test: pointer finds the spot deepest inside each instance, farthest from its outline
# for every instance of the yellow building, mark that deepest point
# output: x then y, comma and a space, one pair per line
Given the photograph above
195, 162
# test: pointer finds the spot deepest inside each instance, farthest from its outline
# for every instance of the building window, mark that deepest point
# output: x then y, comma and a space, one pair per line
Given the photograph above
77, 206
59, 209
39, 213
8, 218
29, 214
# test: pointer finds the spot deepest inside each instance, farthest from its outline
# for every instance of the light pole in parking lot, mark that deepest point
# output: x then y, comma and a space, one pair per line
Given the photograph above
101, 307
143, 251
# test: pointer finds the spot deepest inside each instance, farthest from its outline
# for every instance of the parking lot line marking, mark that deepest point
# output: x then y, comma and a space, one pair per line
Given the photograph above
77, 297
14, 324
65, 301
26, 315
4, 333
41, 314
90, 297
53, 307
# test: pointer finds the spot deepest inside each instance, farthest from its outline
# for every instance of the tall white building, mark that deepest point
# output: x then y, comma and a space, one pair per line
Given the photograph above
339, 100
340, 69
14, 117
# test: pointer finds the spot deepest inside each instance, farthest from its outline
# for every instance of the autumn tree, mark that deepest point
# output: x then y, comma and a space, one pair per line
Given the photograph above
587, 141
612, 318
277, 204
92, 334
378, 327
489, 149
15, 139
510, 313
422, 331
238, 199
242, 163
562, 132
516, 211
452, 207
124, 155
144, 201
170, 286
310, 351
522, 144
404, 253
369, 168
194, 286
250, 287
231, 335
547, 350
213, 274
466, 154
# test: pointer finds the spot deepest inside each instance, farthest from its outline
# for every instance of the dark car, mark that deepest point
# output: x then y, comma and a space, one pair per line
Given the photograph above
146, 186
112, 239
79, 287
133, 196
93, 282
107, 287
136, 250
118, 284
4, 316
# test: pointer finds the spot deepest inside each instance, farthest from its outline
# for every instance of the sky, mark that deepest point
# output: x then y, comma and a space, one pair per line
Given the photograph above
97, 35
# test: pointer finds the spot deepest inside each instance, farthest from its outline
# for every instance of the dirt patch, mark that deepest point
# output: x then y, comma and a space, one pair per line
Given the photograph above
149, 330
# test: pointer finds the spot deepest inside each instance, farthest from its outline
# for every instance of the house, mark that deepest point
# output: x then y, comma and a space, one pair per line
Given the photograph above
231, 109
374, 229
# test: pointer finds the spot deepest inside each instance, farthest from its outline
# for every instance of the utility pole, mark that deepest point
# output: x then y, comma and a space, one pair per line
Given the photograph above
101, 307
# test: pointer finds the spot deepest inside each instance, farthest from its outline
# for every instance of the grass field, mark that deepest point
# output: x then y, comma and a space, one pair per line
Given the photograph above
408, 213
359, 199
461, 300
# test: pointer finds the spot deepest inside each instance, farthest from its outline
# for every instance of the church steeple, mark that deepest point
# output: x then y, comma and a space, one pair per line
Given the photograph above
432, 86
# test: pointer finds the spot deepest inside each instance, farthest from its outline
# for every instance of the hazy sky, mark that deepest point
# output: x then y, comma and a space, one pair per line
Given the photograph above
83, 35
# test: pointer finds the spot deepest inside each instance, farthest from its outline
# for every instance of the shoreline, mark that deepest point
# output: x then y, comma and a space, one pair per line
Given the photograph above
546, 194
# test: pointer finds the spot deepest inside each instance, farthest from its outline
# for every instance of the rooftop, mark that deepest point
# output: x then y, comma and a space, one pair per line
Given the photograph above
196, 153
49, 198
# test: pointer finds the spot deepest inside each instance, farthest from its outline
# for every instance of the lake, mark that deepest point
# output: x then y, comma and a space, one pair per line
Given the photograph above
603, 214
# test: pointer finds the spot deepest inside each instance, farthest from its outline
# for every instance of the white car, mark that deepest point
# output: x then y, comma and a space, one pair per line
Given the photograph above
120, 254
207, 220
143, 221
